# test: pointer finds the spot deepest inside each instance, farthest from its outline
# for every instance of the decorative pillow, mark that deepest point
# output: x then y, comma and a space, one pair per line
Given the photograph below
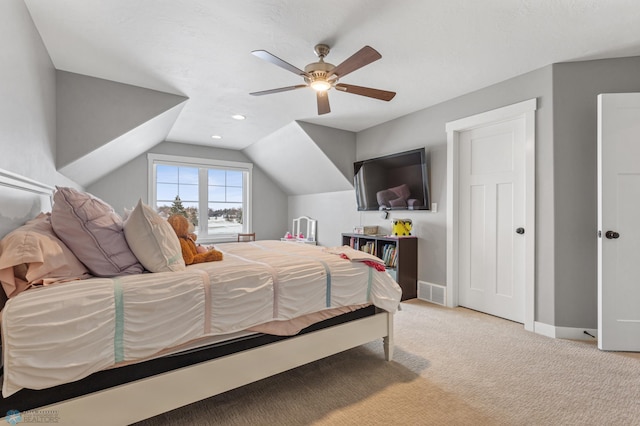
33, 254
153, 240
93, 231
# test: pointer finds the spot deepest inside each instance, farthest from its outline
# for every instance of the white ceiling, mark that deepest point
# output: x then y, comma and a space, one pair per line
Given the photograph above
432, 51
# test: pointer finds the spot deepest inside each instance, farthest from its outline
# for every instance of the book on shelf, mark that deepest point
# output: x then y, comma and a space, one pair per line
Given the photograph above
369, 247
352, 243
390, 255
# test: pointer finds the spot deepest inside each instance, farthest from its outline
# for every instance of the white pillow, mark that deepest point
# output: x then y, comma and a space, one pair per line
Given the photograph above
153, 240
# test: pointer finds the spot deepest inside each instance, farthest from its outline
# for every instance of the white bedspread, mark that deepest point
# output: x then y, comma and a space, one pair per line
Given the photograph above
62, 333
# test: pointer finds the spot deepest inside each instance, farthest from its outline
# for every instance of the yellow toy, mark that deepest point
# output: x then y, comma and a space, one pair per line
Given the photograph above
190, 253
401, 227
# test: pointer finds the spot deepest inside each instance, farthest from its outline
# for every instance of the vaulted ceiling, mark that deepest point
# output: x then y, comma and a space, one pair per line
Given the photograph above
131, 74
432, 50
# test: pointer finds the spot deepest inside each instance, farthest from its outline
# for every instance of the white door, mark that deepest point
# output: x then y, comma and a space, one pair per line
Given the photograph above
491, 219
619, 222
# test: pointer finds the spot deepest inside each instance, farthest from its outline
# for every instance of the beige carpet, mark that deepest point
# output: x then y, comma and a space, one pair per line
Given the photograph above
451, 367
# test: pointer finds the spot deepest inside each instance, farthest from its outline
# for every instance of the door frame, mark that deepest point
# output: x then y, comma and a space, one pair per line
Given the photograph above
525, 109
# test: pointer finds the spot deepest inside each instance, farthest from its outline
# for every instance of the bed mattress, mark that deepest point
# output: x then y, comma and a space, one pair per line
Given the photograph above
62, 333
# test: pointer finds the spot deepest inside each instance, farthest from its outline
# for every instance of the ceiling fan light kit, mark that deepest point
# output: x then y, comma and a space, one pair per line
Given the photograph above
320, 85
322, 76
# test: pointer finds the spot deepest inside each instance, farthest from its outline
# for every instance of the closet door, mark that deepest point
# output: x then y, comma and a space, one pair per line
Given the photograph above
492, 216
619, 222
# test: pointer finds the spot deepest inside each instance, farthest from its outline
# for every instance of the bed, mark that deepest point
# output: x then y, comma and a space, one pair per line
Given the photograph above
129, 347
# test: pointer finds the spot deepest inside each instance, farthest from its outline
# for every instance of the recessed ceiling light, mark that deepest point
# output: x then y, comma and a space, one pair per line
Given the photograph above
238, 117
216, 137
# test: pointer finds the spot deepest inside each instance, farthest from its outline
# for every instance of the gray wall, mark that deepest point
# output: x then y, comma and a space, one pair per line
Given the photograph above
566, 134
305, 158
338, 145
27, 99
92, 112
125, 186
565, 163
336, 212
576, 87
426, 128
102, 124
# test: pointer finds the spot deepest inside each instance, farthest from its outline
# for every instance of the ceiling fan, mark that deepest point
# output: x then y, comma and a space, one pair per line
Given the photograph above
322, 76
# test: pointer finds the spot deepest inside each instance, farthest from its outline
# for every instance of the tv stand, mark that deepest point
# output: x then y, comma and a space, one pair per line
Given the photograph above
400, 255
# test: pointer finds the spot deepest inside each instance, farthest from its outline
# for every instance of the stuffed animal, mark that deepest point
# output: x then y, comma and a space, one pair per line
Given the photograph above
402, 227
194, 237
180, 225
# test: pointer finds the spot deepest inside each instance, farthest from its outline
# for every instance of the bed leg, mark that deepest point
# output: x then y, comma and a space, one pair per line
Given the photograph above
388, 339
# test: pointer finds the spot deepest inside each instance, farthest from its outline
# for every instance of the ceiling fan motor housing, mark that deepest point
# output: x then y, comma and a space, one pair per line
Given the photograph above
318, 71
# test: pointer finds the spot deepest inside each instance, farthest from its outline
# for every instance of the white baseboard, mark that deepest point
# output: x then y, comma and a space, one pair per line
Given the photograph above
565, 332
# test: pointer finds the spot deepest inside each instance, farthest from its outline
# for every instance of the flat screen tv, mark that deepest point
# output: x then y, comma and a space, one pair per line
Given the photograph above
393, 182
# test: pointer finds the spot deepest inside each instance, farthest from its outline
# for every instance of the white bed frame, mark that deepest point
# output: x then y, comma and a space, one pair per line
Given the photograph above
21, 199
135, 401
141, 399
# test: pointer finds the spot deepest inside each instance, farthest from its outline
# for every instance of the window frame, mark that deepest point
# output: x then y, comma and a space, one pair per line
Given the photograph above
203, 165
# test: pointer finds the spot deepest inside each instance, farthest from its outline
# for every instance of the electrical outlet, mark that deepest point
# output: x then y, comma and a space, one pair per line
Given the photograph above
434, 207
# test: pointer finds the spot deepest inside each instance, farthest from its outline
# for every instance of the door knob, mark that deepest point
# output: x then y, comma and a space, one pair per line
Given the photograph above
612, 235
520, 231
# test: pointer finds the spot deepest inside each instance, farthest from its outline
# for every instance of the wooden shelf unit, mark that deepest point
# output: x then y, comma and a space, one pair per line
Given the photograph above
406, 265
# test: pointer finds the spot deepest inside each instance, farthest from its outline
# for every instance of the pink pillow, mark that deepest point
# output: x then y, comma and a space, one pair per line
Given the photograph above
94, 233
36, 247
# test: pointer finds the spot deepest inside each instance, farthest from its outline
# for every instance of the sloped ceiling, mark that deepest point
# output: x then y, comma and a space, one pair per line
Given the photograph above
307, 159
432, 51
101, 124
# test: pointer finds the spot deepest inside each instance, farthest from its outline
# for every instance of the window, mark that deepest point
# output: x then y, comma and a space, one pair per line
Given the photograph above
213, 194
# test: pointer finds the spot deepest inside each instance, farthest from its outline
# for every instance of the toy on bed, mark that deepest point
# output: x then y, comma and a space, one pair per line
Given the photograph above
192, 235
190, 253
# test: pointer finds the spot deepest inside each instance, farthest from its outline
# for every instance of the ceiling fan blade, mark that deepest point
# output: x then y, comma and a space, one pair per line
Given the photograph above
281, 89
383, 95
323, 103
362, 57
263, 54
